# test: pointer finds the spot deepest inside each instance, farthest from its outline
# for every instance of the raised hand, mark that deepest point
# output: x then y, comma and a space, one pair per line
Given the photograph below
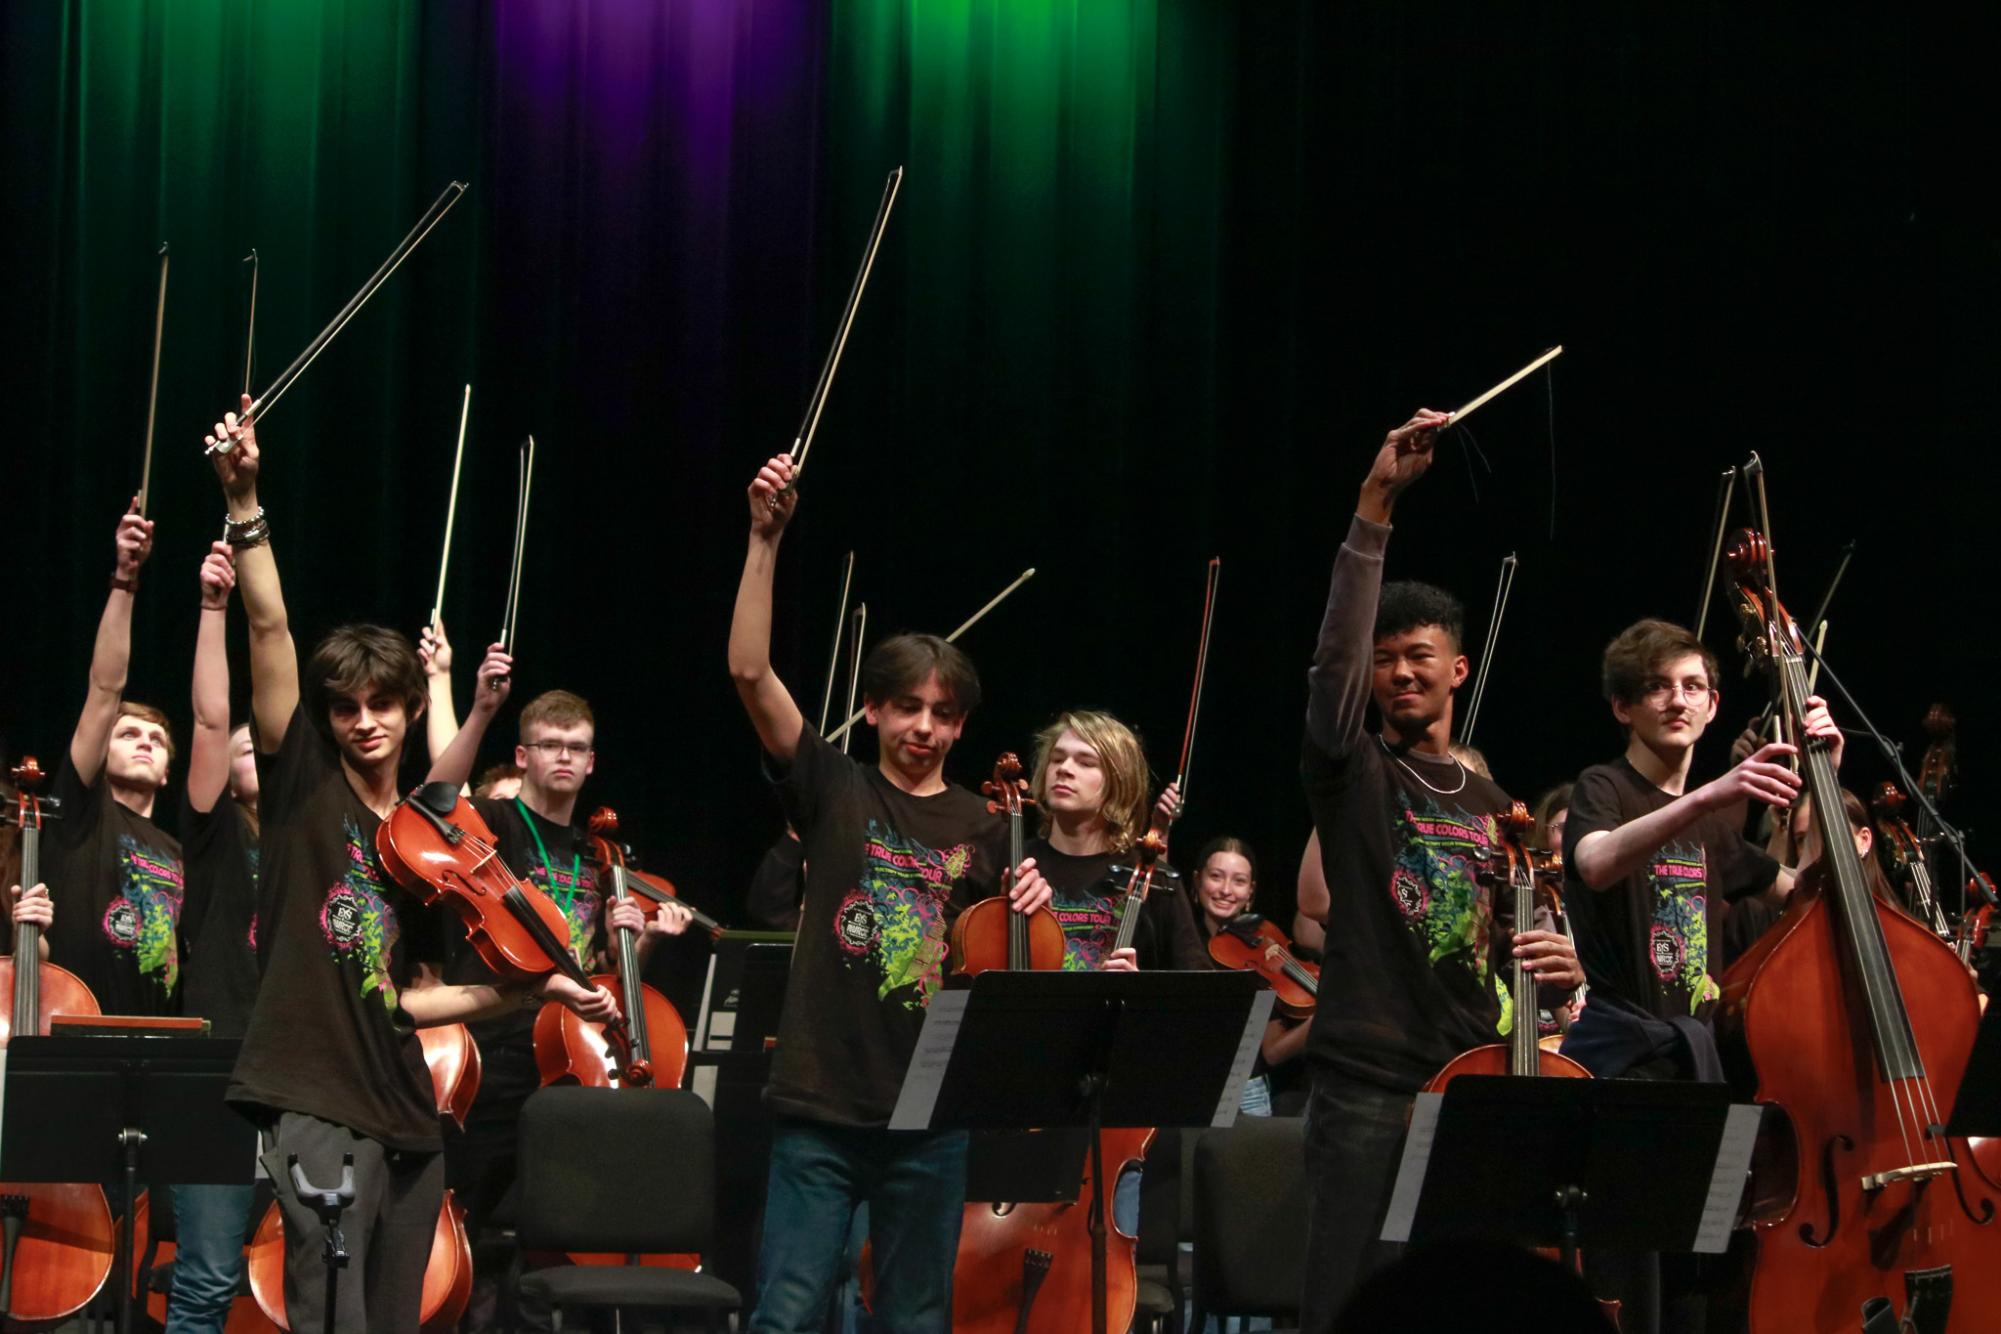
1405, 455
134, 541
218, 576
495, 678
1764, 776
1168, 809
1746, 742
234, 444
771, 502
434, 650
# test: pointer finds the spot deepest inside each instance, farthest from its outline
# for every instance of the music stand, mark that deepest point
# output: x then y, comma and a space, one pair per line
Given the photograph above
1048, 1050
1624, 1164
118, 1107
1977, 1110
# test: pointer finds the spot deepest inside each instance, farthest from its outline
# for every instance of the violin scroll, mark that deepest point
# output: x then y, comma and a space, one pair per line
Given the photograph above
1007, 791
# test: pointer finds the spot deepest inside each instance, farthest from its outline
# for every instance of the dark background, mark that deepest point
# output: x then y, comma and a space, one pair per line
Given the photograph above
1155, 289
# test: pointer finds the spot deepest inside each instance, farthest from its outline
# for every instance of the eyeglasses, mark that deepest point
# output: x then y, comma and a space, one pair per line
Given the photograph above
1660, 692
553, 749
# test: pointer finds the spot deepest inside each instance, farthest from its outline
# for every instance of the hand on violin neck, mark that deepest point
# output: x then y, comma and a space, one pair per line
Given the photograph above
1818, 722
234, 440
1551, 957
1028, 890
1120, 961
593, 1004
1405, 455
33, 906
772, 499
133, 542
218, 576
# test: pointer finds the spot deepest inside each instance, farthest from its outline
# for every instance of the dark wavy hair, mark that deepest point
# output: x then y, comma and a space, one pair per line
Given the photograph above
1406, 604
354, 658
900, 664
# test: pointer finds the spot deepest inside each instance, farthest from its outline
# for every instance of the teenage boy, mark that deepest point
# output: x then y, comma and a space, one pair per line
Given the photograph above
114, 874
1090, 785
330, 1064
1414, 968
893, 852
541, 839
219, 924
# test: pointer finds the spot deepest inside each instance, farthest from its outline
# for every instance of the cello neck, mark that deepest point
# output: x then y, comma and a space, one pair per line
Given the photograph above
1523, 1058
628, 976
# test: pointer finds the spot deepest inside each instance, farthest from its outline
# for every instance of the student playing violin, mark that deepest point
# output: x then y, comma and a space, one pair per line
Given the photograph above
330, 1063
1414, 967
1090, 785
1226, 884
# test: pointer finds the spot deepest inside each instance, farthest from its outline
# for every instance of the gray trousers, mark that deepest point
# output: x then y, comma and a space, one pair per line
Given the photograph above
387, 1229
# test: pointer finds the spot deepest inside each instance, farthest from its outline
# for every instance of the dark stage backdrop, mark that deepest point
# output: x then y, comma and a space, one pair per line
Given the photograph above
1162, 274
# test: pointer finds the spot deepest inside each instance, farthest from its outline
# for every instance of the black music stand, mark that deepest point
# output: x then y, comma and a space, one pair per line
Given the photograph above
1977, 1110
1623, 1164
118, 1107
1048, 1050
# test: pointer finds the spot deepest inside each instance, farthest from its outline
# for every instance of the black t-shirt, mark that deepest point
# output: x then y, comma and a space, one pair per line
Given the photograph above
1410, 976
219, 916
774, 893
566, 875
1087, 895
116, 881
887, 873
1647, 938
339, 938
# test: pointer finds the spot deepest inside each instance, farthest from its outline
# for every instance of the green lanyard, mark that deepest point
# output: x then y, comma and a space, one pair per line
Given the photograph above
576, 862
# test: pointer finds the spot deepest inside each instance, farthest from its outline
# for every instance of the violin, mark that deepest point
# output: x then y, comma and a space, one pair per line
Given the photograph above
1255, 944
58, 1238
1857, 1022
991, 934
436, 845
571, 1050
614, 862
452, 1057
1521, 1054
1903, 855
1147, 853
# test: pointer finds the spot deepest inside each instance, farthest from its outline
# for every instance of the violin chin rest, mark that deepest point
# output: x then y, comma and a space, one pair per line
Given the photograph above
437, 798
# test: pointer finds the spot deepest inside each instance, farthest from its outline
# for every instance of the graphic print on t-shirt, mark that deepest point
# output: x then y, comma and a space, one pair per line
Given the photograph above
578, 898
144, 916
1678, 939
356, 919
1090, 925
1434, 880
894, 921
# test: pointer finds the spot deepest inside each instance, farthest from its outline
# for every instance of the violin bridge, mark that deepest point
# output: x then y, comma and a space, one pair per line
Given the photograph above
1915, 1172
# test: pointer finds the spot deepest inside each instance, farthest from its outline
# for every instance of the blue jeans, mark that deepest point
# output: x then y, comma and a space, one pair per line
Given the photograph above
208, 1263
914, 1183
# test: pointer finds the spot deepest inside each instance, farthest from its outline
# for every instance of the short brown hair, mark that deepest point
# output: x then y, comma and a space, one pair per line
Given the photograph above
1642, 649
557, 708
151, 715
495, 773
353, 658
902, 662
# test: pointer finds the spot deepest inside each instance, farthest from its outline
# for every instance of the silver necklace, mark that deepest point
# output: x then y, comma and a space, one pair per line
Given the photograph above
1441, 791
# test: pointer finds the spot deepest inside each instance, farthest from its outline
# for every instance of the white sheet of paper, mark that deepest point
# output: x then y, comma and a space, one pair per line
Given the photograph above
1247, 1053
1726, 1187
926, 1076
1410, 1173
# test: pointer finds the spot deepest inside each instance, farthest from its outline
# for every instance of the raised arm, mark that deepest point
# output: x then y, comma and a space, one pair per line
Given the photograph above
274, 659
490, 687
765, 698
1338, 682
111, 656
441, 719
208, 754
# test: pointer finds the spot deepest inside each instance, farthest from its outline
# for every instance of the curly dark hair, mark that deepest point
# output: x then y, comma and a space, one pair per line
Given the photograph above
1406, 604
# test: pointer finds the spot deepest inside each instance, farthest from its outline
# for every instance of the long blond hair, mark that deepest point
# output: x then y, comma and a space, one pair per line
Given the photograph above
1123, 761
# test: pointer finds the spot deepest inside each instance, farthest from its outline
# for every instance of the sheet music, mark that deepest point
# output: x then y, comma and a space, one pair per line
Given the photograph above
1410, 1174
1726, 1185
926, 1076
1247, 1052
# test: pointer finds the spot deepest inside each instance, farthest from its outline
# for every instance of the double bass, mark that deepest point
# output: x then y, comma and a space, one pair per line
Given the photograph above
1858, 1022
58, 1238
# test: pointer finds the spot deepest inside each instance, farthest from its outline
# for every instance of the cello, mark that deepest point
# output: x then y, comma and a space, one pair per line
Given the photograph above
59, 1237
1858, 1022
453, 1059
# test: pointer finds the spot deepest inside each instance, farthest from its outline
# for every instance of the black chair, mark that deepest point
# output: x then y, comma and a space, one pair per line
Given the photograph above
1250, 1219
1161, 1292
627, 1171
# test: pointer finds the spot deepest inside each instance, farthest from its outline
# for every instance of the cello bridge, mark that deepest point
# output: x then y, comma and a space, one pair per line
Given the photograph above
1915, 1172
